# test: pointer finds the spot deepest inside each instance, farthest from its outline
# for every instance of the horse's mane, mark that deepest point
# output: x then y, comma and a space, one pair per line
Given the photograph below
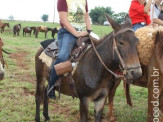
103, 38
159, 40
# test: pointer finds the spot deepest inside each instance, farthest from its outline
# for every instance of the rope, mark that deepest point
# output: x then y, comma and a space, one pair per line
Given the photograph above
153, 12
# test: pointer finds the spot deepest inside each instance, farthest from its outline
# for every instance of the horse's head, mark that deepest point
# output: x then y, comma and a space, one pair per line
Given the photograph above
125, 49
8, 25
2, 71
19, 25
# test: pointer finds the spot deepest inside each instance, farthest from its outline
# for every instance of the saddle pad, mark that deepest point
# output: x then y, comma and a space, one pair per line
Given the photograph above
46, 59
52, 50
49, 60
45, 43
43, 27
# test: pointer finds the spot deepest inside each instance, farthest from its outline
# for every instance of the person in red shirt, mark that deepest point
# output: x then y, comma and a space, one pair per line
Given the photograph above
139, 13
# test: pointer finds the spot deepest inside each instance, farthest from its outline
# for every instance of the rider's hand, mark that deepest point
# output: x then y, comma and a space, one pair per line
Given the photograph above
82, 33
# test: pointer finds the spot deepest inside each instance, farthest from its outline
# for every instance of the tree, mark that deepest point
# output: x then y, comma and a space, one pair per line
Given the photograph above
11, 17
98, 14
45, 17
119, 17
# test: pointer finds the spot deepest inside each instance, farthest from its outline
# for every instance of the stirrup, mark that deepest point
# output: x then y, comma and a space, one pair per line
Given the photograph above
49, 89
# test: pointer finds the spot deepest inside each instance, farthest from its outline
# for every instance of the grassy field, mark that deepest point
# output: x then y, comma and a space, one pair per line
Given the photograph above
17, 90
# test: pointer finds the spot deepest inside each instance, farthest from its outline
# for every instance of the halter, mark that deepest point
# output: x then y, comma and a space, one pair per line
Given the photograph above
124, 67
119, 56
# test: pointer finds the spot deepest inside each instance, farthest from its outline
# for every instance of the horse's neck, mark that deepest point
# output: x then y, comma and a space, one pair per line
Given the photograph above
92, 70
105, 50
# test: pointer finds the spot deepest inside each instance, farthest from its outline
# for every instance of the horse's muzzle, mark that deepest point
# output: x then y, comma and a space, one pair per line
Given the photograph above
132, 73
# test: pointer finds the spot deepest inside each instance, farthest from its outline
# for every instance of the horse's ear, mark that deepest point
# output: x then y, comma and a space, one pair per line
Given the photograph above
128, 20
112, 22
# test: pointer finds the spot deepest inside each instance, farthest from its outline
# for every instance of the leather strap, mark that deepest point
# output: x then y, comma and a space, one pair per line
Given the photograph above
116, 50
153, 7
115, 75
122, 31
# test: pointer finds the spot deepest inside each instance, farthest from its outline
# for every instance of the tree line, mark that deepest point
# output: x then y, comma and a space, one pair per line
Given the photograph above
97, 15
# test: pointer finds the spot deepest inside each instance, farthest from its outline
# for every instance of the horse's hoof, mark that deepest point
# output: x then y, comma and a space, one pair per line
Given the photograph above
37, 120
112, 119
47, 119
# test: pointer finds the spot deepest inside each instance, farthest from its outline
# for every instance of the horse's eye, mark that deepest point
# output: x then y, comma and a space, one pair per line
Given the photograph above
121, 43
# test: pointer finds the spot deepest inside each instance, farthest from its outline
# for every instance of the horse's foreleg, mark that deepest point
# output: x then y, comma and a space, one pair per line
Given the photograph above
45, 34
161, 105
18, 33
14, 33
45, 107
36, 35
154, 93
83, 109
98, 107
161, 98
150, 106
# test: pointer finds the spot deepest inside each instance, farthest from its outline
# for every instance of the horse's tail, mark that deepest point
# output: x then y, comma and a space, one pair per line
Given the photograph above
40, 77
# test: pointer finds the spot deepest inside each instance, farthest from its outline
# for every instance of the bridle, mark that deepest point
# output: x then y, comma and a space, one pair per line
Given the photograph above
115, 48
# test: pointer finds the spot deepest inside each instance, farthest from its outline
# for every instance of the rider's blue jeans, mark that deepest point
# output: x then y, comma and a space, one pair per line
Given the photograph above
66, 42
136, 26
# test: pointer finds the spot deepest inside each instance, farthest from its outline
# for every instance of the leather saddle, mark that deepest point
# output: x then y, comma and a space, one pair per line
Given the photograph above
81, 46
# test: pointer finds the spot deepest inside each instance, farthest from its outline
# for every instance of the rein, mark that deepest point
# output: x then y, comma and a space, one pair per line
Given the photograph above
115, 75
117, 51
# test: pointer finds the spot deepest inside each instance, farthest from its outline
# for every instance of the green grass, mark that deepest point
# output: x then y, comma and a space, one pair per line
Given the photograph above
17, 90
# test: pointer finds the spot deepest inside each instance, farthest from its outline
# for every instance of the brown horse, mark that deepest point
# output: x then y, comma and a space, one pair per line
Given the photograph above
41, 29
92, 80
3, 26
16, 29
28, 30
152, 79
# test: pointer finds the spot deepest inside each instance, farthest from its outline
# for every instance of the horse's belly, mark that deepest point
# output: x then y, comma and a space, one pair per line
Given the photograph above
101, 93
